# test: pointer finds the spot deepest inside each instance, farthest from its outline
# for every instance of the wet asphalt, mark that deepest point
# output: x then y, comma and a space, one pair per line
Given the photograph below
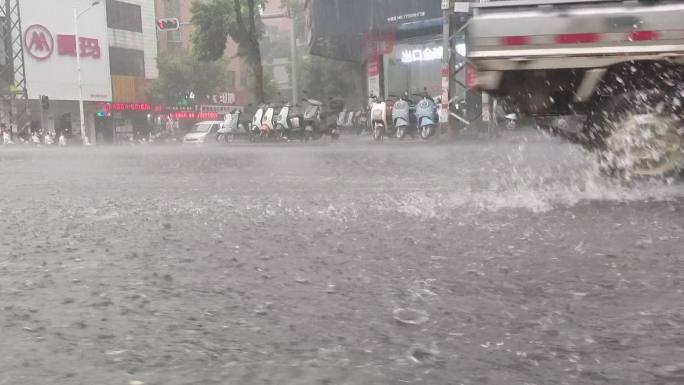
508, 260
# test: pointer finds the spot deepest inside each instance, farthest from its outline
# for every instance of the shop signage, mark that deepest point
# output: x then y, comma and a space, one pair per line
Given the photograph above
462, 7
38, 42
408, 16
390, 14
40, 45
373, 68
50, 46
374, 77
422, 54
187, 115
227, 98
88, 47
108, 107
144, 107
446, 4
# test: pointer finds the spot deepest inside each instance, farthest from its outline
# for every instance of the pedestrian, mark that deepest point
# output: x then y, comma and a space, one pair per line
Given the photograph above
6, 137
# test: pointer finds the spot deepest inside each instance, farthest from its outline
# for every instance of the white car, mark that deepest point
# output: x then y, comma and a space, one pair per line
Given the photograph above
202, 132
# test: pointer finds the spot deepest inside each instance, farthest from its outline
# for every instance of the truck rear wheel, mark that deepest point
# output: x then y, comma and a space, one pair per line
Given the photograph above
640, 134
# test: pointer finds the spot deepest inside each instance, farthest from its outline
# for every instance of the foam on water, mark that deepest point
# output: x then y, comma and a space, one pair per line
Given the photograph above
520, 183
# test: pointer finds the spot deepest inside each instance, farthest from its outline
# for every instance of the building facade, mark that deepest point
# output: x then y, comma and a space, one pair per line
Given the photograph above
132, 36
118, 50
49, 47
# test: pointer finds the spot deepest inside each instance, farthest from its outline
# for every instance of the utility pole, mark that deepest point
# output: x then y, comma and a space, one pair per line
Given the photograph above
293, 49
13, 72
77, 14
446, 68
84, 136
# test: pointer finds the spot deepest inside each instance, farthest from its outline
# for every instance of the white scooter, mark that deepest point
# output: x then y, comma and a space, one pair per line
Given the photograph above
230, 126
378, 115
255, 126
288, 124
267, 128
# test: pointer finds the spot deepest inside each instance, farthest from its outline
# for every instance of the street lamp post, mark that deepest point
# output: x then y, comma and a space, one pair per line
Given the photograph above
77, 14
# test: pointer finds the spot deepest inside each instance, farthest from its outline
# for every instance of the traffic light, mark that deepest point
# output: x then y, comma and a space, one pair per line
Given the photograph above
44, 102
168, 24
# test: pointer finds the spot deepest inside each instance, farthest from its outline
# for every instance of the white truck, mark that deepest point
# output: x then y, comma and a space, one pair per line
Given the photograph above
616, 67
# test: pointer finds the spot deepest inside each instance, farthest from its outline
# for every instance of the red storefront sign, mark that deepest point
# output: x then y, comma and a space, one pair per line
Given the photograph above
175, 112
120, 107
40, 44
66, 45
373, 68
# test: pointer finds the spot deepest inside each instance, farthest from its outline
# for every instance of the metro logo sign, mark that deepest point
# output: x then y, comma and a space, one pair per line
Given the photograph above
38, 42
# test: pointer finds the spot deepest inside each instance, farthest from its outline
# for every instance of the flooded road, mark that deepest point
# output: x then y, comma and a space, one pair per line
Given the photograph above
502, 262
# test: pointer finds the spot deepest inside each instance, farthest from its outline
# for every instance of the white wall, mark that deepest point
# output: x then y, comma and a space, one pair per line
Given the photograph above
54, 74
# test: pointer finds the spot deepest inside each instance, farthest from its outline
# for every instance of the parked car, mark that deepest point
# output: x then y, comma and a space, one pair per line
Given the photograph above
202, 132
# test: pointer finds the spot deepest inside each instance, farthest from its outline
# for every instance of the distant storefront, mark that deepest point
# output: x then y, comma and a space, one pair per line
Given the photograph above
398, 40
414, 66
119, 123
405, 44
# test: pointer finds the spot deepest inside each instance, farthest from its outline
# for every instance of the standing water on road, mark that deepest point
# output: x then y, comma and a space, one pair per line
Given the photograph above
506, 261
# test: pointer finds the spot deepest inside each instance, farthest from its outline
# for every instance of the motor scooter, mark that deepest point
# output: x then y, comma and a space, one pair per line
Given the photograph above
255, 125
426, 116
289, 122
401, 116
378, 113
312, 120
267, 128
334, 117
230, 127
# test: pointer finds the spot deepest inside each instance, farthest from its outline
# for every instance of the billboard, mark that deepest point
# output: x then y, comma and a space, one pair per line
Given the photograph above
50, 45
395, 13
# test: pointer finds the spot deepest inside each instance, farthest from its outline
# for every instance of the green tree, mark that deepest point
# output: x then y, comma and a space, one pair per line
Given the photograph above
182, 73
216, 20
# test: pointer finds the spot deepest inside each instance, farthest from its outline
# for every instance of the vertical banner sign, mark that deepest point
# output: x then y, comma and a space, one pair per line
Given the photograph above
374, 76
444, 115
